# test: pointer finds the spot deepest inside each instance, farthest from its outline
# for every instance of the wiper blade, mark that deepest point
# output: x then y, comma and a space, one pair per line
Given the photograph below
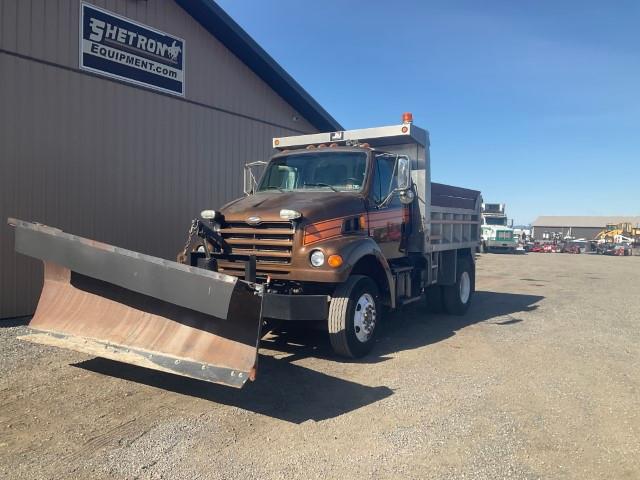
273, 187
321, 185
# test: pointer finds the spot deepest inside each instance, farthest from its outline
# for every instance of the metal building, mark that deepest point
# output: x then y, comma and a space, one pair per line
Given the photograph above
121, 119
576, 226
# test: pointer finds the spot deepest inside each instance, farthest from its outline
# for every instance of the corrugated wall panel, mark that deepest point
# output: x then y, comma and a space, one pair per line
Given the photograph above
111, 161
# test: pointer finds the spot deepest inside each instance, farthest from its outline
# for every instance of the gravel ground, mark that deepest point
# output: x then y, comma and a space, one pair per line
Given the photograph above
539, 380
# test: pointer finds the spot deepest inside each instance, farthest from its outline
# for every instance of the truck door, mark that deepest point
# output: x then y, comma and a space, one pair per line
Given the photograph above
385, 221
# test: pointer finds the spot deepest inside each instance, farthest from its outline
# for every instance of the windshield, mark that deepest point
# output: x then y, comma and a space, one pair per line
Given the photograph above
339, 171
495, 220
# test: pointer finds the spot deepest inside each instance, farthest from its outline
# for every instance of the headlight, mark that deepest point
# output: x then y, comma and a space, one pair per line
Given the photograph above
316, 258
208, 214
287, 214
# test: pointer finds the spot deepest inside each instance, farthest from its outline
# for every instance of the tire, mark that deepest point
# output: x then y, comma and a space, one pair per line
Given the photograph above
457, 297
347, 326
433, 299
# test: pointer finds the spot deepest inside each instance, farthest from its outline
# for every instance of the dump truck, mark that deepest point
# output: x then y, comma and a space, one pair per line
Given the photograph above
337, 229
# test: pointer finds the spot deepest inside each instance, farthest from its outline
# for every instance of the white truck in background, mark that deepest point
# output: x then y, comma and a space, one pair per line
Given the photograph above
496, 234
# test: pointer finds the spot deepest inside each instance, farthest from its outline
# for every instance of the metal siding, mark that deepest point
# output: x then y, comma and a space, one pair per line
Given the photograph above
111, 161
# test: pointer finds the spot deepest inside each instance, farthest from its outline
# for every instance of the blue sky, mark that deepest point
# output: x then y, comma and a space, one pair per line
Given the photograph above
535, 103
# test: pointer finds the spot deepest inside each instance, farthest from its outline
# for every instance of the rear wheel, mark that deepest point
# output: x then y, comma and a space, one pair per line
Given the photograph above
457, 297
354, 316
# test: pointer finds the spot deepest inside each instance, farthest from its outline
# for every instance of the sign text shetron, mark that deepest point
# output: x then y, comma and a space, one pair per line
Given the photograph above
118, 47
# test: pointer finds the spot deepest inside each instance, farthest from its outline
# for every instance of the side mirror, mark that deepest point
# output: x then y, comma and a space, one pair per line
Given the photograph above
404, 173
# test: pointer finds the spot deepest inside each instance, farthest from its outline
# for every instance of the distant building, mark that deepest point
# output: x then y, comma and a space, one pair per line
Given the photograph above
575, 226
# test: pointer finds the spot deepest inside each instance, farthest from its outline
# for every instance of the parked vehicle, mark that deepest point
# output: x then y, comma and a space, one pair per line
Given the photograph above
574, 246
338, 226
496, 234
615, 249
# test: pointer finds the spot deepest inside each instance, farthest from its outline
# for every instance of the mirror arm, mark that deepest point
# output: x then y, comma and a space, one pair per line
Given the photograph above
386, 200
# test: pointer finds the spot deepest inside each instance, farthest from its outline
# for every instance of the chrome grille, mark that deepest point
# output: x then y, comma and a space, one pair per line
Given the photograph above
270, 242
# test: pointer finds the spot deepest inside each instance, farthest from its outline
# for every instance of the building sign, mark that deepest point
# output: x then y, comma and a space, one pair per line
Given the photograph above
117, 47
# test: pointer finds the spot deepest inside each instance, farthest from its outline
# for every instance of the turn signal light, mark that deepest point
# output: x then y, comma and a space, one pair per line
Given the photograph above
334, 261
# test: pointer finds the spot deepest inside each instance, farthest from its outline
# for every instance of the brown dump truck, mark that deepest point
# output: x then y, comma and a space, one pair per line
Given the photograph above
333, 228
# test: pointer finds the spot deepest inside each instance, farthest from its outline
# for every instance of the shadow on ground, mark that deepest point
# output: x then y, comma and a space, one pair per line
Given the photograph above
296, 394
282, 390
409, 328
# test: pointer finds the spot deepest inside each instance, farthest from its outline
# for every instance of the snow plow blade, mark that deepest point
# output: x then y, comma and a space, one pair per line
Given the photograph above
122, 305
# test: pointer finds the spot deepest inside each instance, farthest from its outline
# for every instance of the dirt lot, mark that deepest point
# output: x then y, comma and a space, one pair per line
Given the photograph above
540, 380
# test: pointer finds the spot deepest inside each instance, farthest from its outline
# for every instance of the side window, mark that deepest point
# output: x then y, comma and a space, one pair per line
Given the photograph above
386, 178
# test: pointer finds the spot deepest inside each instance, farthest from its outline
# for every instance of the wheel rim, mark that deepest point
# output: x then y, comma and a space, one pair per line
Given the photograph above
364, 318
465, 287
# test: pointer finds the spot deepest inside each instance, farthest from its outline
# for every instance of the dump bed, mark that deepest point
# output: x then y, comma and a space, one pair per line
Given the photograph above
448, 196
455, 218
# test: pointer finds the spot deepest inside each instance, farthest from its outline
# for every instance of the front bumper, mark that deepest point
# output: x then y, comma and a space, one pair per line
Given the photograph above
295, 307
507, 244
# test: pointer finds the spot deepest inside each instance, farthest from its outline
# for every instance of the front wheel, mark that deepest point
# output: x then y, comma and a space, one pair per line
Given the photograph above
457, 297
354, 316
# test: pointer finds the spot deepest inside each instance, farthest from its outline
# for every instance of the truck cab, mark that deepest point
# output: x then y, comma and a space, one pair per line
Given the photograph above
312, 204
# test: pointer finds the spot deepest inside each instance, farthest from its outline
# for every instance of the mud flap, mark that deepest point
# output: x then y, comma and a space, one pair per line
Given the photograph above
122, 305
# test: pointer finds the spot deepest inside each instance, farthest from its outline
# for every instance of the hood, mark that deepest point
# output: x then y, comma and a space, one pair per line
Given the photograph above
314, 206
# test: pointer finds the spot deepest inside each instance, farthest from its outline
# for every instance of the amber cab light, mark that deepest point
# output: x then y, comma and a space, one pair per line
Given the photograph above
407, 117
334, 261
